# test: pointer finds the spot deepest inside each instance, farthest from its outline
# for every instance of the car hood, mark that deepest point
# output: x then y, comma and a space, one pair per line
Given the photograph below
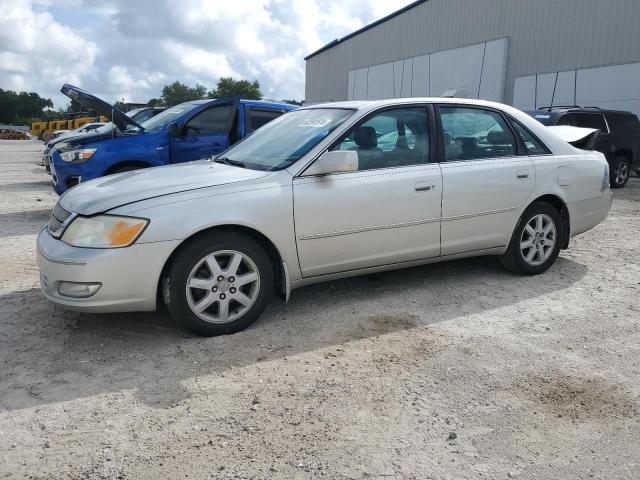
107, 193
101, 107
79, 138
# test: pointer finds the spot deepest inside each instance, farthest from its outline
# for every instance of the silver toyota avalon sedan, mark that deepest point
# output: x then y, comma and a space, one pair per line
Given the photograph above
323, 192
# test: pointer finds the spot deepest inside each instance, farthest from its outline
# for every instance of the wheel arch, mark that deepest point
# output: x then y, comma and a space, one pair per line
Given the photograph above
624, 152
560, 205
281, 277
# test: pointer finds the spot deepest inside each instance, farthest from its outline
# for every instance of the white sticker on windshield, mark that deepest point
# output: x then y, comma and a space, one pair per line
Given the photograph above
315, 122
176, 110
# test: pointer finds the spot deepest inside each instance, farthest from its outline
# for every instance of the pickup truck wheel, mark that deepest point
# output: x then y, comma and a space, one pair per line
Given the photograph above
219, 283
536, 241
620, 170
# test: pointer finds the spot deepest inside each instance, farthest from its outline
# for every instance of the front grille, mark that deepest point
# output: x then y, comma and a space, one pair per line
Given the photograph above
58, 216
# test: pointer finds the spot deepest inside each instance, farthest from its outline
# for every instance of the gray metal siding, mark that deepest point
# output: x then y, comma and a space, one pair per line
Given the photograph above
544, 36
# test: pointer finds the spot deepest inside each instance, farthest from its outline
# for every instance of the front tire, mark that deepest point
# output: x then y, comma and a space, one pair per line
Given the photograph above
620, 170
219, 283
536, 241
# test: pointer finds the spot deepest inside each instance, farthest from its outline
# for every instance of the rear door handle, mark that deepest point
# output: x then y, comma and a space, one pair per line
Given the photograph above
423, 186
522, 174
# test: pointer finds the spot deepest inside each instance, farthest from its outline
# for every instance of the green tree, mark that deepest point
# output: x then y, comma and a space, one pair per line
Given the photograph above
154, 102
17, 107
177, 92
228, 87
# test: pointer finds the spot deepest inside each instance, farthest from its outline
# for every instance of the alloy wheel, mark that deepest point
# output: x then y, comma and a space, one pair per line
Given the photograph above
538, 239
621, 172
223, 286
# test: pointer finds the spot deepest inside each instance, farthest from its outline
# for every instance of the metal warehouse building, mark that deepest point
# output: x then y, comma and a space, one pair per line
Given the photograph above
528, 53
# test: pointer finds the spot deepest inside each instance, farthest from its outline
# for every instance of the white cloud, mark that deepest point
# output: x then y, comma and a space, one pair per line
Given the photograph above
36, 50
119, 48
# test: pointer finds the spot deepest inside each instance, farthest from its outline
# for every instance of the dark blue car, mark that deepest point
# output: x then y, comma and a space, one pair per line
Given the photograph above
186, 132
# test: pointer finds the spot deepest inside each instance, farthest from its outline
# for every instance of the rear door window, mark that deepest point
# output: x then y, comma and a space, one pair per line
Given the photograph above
474, 133
261, 116
592, 120
570, 119
584, 120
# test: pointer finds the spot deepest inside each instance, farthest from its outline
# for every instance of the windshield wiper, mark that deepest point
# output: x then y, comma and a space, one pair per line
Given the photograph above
228, 161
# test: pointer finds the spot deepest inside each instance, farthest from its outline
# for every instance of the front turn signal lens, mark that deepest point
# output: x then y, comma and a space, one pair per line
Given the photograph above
104, 231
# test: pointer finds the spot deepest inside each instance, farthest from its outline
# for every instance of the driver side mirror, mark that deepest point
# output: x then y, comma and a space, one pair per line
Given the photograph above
337, 161
173, 130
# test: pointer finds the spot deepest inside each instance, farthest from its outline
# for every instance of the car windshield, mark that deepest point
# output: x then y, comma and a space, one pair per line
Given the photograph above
132, 113
285, 140
163, 119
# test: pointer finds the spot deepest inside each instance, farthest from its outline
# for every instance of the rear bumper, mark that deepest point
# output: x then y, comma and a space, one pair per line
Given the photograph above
586, 214
128, 277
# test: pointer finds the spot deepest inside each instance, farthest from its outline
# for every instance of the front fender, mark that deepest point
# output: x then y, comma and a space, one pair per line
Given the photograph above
266, 208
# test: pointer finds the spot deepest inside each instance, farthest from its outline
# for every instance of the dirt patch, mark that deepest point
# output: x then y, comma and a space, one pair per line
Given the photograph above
399, 375
390, 323
579, 398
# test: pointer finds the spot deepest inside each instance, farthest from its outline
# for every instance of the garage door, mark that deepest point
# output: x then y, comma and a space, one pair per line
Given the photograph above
614, 87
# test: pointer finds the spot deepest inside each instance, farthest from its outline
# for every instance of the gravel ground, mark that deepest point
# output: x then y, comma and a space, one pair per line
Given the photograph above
451, 371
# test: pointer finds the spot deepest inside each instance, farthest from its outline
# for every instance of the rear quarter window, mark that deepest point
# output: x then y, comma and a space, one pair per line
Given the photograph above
532, 145
626, 124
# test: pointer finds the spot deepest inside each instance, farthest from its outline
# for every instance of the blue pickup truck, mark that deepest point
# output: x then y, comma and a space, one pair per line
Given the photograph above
186, 132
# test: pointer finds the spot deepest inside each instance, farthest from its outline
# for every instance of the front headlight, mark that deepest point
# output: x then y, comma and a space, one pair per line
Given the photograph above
78, 156
104, 231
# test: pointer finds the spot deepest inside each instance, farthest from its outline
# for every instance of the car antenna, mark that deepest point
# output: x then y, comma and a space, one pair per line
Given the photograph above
553, 95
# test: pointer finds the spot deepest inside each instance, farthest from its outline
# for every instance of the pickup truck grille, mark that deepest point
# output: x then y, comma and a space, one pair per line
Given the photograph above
58, 216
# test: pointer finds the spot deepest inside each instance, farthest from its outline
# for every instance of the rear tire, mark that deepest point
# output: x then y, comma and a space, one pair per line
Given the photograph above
536, 240
620, 170
219, 283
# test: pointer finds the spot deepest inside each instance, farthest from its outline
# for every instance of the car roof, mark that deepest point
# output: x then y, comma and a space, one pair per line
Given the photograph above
268, 103
577, 108
255, 103
374, 104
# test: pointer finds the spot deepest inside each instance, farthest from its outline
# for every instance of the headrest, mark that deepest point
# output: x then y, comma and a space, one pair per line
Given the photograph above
499, 138
366, 137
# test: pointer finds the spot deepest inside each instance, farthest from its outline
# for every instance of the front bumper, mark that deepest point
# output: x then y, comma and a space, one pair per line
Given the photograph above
128, 276
65, 175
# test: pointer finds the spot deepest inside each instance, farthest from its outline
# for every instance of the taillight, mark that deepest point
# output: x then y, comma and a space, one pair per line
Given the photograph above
605, 179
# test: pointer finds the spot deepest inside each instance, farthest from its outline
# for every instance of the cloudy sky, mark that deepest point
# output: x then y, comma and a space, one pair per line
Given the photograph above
131, 48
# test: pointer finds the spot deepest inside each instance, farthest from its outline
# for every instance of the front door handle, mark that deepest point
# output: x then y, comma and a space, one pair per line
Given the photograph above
423, 186
522, 174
